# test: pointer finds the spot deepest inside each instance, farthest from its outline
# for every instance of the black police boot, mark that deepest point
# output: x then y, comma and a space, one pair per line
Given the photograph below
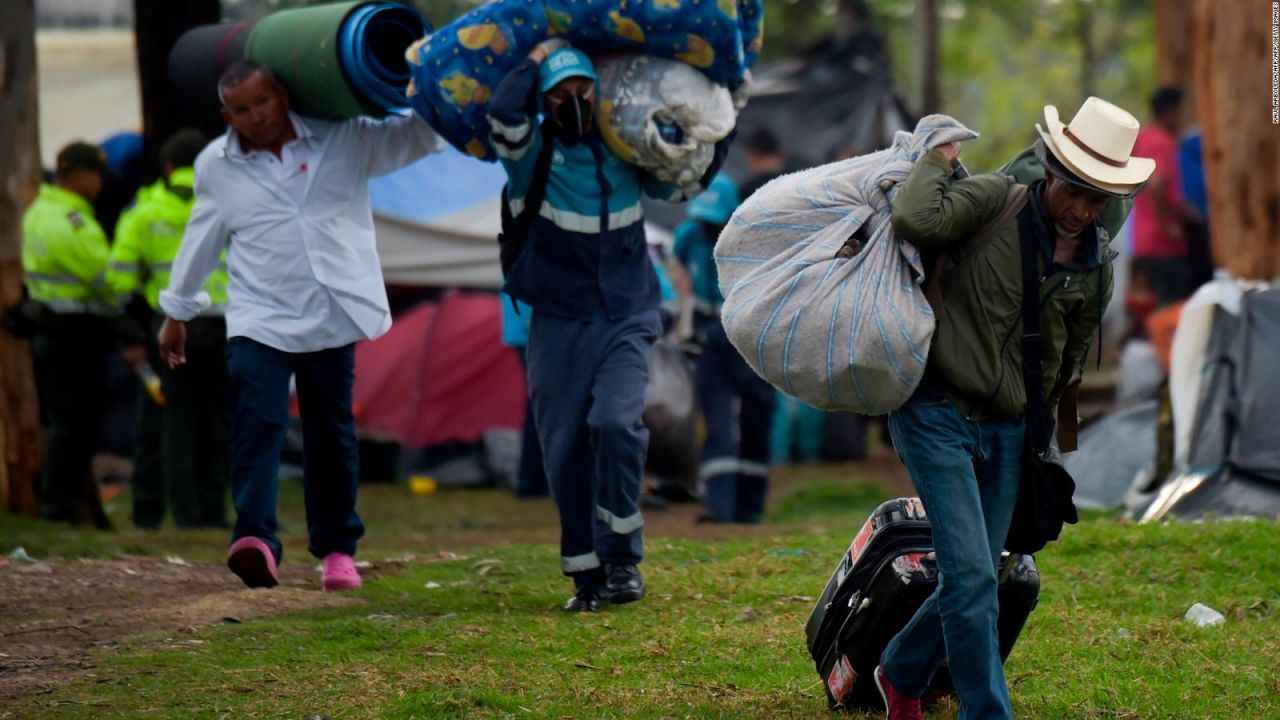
586, 599
624, 585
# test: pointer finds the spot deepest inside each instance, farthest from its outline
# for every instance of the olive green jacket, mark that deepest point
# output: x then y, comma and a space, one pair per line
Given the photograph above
976, 356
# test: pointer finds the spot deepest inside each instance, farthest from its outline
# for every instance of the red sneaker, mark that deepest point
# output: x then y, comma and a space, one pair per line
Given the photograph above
339, 573
896, 705
251, 559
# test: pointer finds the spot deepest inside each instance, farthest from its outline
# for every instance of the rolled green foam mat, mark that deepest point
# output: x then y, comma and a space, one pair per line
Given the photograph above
339, 60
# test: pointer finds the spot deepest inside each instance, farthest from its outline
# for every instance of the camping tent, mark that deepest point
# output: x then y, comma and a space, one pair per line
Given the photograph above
1113, 451
826, 107
440, 375
1226, 406
437, 222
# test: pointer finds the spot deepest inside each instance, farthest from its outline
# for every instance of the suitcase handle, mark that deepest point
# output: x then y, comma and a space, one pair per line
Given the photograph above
1014, 559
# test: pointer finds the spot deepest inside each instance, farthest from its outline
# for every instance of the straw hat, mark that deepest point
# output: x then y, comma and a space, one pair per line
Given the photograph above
1096, 146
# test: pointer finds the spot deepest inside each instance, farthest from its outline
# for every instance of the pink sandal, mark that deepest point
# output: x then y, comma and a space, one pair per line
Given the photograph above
251, 559
339, 573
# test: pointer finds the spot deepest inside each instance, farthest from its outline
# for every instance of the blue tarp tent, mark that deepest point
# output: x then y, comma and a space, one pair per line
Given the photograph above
437, 222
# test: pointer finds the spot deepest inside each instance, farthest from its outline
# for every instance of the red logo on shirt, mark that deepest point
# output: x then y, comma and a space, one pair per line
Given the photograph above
302, 167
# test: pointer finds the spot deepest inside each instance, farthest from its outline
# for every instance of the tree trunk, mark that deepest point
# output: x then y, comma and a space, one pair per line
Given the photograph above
930, 92
1233, 46
1174, 56
157, 26
1088, 50
20, 170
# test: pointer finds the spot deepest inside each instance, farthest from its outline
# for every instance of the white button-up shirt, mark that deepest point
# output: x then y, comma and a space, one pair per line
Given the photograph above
303, 268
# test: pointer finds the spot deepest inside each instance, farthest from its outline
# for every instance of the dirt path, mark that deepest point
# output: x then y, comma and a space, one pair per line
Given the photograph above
62, 610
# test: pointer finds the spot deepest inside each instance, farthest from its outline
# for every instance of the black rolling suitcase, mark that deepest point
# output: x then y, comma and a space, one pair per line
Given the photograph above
882, 579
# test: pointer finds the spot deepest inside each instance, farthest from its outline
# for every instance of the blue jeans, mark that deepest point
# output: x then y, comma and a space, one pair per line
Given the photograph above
259, 390
967, 474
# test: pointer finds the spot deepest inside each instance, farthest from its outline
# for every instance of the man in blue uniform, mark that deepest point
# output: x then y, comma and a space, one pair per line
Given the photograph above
585, 271
734, 473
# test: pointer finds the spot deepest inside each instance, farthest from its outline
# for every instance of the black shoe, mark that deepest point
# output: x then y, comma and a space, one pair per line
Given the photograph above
585, 600
625, 584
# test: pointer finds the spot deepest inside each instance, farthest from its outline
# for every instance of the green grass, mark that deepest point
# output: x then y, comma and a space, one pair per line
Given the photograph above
396, 522
721, 634
819, 500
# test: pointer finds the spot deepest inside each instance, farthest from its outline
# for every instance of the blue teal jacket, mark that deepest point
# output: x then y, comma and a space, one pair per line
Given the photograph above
585, 256
695, 247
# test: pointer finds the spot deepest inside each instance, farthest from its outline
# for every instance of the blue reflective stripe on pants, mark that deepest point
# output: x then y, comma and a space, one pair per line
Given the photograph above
259, 390
735, 456
587, 380
967, 475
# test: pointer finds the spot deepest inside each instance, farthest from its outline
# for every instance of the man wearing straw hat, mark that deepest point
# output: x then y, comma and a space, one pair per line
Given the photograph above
961, 435
287, 199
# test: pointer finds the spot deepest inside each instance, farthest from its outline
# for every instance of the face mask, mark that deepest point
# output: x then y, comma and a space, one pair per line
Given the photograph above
572, 119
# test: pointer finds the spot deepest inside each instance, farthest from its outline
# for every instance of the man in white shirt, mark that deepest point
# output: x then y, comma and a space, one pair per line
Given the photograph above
287, 198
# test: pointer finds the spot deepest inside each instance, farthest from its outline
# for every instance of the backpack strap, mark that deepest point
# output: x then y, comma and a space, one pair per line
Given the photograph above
515, 230
538, 185
1013, 204
945, 261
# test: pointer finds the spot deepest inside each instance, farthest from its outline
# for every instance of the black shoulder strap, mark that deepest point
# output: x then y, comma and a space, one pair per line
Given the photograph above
538, 185
1039, 419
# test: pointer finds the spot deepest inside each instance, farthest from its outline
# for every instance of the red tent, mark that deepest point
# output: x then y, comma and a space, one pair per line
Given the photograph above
441, 374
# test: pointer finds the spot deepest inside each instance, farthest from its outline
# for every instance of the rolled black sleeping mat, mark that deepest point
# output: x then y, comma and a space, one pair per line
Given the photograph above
200, 57
338, 61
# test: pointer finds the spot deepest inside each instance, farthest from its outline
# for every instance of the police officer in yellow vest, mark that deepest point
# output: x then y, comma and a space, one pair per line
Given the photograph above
64, 259
193, 439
